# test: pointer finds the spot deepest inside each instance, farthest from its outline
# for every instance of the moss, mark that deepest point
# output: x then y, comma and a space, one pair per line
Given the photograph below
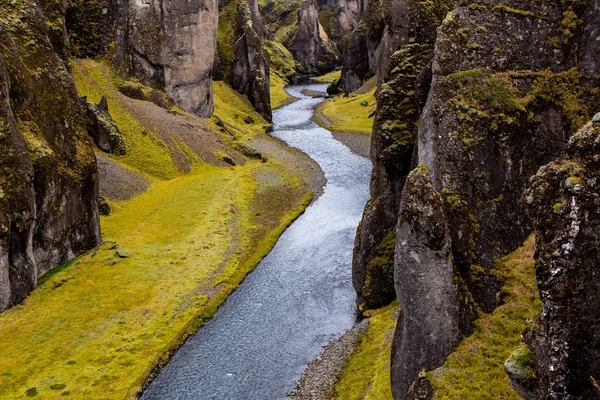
565, 90
379, 280
367, 375
281, 60
329, 77
279, 96
226, 37
345, 114
476, 368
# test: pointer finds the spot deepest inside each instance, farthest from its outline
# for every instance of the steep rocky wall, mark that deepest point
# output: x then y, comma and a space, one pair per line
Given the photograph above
242, 58
171, 45
311, 46
483, 101
49, 179
400, 99
340, 17
564, 200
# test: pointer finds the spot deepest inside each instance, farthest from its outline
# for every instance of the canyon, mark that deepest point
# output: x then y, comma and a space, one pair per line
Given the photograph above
148, 167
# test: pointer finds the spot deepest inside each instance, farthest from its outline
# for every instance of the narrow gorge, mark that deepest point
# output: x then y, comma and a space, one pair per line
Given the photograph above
305, 199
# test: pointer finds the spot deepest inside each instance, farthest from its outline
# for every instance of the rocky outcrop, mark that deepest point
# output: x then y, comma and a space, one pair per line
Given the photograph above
101, 127
400, 99
311, 46
167, 45
170, 45
426, 284
48, 178
242, 58
564, 201
385, 28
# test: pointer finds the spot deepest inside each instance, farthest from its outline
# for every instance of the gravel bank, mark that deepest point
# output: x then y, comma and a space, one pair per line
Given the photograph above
322, 374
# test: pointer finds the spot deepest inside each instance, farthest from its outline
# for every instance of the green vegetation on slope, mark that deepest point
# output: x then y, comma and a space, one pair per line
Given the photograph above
99, 325
330, 77
476, 369
145, 151
367, 375
353, 113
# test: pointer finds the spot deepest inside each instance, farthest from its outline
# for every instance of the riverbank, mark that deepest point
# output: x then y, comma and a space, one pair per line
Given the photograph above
174, 249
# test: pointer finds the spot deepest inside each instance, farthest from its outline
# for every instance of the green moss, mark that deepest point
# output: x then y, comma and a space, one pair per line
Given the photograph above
476, 368
329, 77
521, 364
346, 114
280, 59
226, 37
279, 96
379, 279
367, 375
565, 90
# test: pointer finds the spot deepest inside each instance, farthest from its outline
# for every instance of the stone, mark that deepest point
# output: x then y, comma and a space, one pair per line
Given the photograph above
311, 46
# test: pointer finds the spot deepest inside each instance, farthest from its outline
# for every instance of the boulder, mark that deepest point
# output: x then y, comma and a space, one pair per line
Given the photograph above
101, 127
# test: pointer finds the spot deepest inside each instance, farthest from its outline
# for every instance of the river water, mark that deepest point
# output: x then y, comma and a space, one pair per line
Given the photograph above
298, 298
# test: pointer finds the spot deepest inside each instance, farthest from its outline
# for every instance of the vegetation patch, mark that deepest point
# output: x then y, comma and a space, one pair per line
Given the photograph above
329, 77
353, 113
367, 375
100, 324
476, 368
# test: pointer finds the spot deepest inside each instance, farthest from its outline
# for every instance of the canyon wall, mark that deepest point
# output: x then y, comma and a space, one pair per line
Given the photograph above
49, 178
482, 95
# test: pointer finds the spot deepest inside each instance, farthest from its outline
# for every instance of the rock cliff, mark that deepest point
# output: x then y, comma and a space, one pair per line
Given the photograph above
242, 58
167, 45
49, 178
483, 96
564, 201
311, 46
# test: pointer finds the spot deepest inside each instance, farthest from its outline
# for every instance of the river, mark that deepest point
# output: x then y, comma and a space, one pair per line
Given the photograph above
298, 298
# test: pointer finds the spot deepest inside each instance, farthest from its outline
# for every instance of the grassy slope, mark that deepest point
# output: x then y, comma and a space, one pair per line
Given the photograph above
346, 114
330, 77
476, 369
99, 325
367, 375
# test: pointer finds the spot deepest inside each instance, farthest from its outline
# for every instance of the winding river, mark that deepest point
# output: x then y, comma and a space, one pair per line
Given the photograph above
299, 297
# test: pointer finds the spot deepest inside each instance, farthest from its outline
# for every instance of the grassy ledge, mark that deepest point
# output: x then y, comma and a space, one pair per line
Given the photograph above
279, 96
353, 113
98, 326
476, 368
367, 375
330, 77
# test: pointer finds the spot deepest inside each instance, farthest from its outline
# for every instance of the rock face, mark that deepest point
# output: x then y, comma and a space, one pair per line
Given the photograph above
385, 27
340, 17
311, 46
242, 58
564, 200
170, 45
483, 96
400, 99
48, 178
426, 284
